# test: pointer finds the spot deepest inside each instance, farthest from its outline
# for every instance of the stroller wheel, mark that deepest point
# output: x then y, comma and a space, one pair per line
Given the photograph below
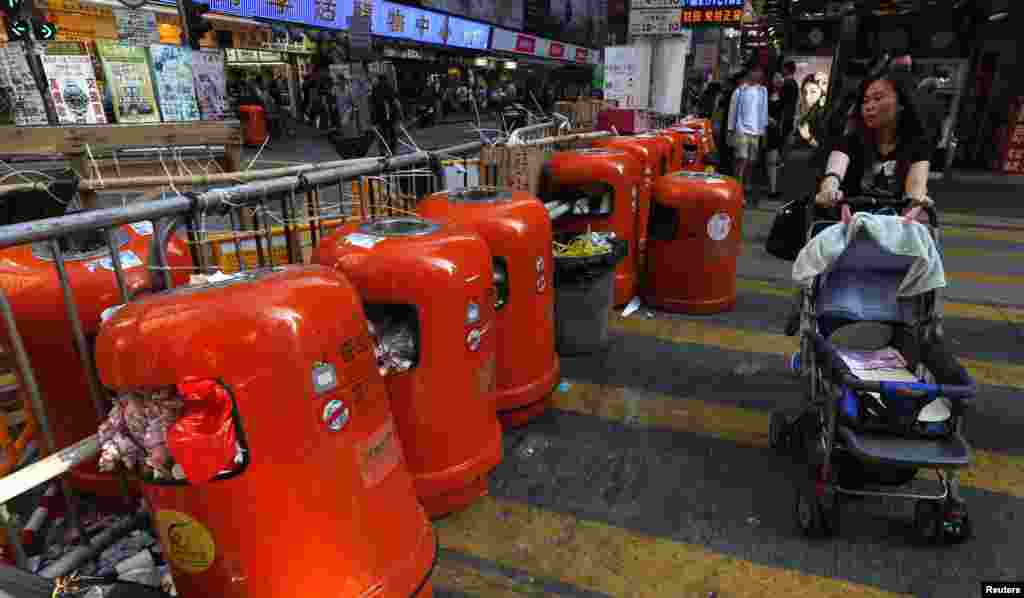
816, 516
928, 521
778, 432
956, 523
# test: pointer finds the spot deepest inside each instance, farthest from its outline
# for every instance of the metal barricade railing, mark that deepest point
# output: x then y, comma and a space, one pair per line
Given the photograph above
299, 209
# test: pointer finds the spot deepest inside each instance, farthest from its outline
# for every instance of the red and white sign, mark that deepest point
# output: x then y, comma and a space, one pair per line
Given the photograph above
526, 44
511, 41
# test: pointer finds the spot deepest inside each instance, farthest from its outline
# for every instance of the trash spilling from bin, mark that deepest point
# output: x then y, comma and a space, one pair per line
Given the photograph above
156, 436
585, 290
395, 345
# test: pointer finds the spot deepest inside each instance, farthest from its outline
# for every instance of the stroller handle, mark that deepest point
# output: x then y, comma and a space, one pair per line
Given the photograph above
873, 201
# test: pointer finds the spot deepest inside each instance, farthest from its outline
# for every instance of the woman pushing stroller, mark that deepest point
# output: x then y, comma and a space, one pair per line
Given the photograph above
886, 397
885, 149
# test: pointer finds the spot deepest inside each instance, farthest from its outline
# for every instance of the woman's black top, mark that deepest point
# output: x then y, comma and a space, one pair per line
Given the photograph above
870, 169
773, 134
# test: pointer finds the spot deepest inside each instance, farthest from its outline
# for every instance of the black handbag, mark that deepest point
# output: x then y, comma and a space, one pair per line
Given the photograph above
789, 230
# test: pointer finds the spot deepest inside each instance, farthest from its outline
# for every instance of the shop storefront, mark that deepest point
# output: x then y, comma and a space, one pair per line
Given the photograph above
568, 70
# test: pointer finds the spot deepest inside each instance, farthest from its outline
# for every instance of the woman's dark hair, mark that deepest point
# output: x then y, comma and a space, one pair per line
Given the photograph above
910, 126
808, 79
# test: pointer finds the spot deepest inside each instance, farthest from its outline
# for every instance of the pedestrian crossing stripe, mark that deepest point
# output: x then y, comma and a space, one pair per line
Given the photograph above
751, 341
597, 557
967, 311
989, 471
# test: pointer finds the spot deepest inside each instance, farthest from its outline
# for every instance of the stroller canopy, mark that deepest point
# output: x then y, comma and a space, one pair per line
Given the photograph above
872, 243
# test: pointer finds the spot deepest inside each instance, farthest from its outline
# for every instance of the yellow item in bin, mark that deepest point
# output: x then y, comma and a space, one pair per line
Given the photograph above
581, 246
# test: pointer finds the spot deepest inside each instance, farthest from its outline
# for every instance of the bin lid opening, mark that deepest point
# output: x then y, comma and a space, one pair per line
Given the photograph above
599, 151
711, 178
399, 227
479, 195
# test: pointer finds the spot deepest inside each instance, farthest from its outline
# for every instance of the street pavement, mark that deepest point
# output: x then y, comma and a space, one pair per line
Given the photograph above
651, 475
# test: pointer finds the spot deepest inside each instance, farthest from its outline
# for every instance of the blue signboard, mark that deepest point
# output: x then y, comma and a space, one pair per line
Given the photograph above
406, 22
468, 34
329, 14
711, 3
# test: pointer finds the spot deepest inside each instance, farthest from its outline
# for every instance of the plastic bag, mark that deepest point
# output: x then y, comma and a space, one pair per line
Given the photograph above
134, 434
203, 440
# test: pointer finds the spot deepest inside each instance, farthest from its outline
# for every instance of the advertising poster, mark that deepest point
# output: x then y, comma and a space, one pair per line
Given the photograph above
71, 83
126, 73
20, 100
211, 87
504, 13
136, 27
172, 75
582, 22
627, 76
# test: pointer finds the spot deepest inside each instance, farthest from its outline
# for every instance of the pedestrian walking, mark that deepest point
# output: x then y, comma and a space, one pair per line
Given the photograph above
748, 120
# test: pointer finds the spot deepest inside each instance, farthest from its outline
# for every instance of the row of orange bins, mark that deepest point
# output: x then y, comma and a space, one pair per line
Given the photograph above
356, 399
657, 191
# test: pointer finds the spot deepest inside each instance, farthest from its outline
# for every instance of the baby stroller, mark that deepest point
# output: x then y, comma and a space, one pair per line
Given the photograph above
885, 397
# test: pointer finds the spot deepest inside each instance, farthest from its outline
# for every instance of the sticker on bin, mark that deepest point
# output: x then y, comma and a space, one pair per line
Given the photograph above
379, 455
143, 229
188, 544
719, 226
362, 240
128, 260
325, 378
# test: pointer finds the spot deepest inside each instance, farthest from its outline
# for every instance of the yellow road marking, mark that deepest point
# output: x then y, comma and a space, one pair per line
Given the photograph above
755, 247
464, 578
988, 278
751, 341
968, 311
602, 558
989, 471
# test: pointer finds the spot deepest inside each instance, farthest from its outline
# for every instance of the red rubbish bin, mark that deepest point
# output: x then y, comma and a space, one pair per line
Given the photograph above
694, 149
517, 229
673, 155
254, 124
431, 285
695, 238
28, 277
280, 498
610, 182
655, 159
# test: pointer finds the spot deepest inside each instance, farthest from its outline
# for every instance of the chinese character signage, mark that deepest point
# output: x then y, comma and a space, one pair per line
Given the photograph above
406, 22
711, 16
556, 50
24, 105
172, 75
71, 83
211, 88
126, 72
627, 75
665, 21
468, 34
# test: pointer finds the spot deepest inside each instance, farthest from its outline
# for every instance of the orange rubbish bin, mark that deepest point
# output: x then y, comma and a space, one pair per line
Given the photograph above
254, 124
598, 190
28, 277
429, 287
707, 132
656, 160
517, 229
695, 239
673, 154
323, 479
694, 149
